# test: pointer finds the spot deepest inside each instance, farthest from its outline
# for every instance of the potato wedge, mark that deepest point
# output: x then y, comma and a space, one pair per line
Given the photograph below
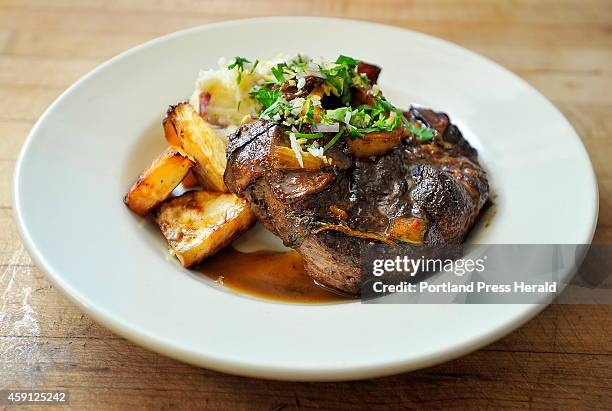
184, 127
156, 183
169, 131
190, 180
200, 223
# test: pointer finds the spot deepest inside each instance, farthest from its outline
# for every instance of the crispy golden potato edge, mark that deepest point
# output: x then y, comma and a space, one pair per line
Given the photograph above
156, 183
226, 230
185, 128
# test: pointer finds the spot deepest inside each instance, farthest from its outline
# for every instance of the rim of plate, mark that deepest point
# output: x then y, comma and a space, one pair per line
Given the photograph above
243, 366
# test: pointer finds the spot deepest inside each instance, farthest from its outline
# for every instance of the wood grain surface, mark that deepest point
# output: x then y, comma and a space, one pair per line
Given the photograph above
562, 359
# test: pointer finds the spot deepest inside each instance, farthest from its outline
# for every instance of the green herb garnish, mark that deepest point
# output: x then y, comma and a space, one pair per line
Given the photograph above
338, 114
238, 64
279, 72
338, 80
346, 60
331, 142
423, 134
266, 96
254, 66
307, 136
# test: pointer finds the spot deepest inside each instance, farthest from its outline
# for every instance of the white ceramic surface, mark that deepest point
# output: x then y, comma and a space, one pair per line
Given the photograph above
87, 148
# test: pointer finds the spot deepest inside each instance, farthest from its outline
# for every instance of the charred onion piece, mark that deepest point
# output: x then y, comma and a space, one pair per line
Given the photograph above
370, 70
338, 212
376, 143
360, 95
355, 233
408, 230
285, 159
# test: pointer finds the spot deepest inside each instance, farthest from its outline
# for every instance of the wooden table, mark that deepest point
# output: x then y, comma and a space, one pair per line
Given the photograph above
561, 359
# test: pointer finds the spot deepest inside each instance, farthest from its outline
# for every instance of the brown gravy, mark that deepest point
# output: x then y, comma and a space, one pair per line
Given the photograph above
270, 275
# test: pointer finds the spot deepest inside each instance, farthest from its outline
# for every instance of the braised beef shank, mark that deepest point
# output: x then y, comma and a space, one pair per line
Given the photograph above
418, 192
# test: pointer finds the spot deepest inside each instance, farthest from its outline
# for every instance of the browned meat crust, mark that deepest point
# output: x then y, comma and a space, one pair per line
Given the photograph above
329, 214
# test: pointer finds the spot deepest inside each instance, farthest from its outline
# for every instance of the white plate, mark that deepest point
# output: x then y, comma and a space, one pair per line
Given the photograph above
89, 145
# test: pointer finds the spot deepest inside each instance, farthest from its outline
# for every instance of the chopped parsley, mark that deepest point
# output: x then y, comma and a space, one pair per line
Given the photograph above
424, 134
238, 64
279, 73
266, 96
347, 61
331, 142
254, 67
307, 136
337, 80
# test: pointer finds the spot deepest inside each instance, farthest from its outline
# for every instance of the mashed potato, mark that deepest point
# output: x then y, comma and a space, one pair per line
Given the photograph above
229, 101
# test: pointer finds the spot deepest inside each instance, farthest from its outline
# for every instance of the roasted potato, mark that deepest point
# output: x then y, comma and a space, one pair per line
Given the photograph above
190, 180
169, 131
185, 128
200, 223
156, 183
